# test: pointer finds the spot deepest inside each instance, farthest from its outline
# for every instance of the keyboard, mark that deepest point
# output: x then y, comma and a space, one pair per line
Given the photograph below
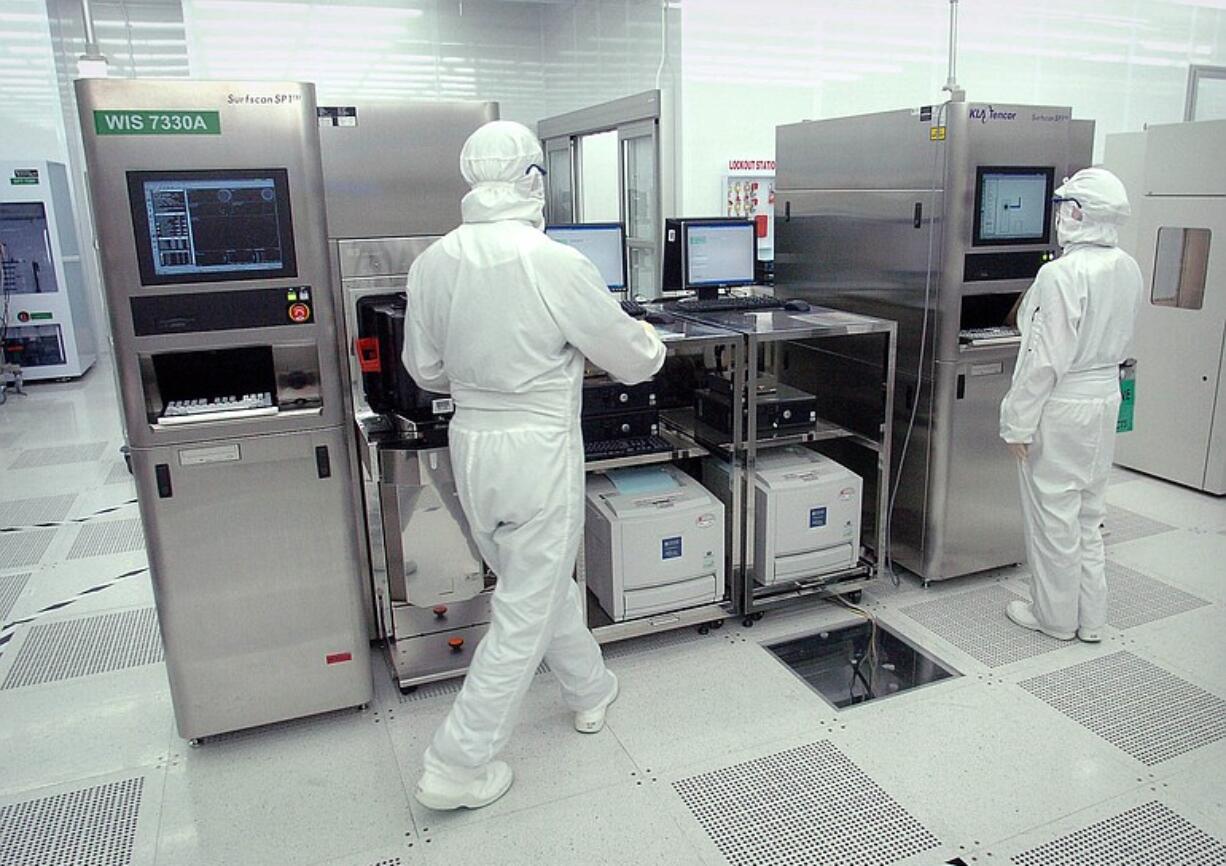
633, 309
728, 303
610, 449
990, 336
218, 408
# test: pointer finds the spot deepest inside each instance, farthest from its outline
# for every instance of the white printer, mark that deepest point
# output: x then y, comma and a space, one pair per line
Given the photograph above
654, 542
806, 513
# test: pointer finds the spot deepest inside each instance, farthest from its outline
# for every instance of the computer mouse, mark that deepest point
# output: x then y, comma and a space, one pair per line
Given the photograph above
659, 319
796, 305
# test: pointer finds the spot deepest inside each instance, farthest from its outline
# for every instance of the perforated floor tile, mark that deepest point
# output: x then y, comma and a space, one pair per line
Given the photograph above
447, 687
58, 455
11, 586
119, 472
1138, 707
107, 537
38, 509
975, 623
651, 644
1147, 835
24, 549
88, 645
95, 825
1135, 599
810, 804
1123, 525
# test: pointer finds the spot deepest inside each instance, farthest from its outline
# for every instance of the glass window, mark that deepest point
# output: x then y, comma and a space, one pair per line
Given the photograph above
559, 184
1181, 265
25, 249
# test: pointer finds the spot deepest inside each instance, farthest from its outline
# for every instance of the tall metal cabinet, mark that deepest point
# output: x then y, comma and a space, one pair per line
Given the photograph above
937, 218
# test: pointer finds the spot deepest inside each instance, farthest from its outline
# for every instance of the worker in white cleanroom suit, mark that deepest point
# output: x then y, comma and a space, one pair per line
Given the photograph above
1059, 416
501, 317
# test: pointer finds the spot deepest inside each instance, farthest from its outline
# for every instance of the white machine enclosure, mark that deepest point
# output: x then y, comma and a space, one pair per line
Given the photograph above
48, 306
1176, 182
652, 552
807, 508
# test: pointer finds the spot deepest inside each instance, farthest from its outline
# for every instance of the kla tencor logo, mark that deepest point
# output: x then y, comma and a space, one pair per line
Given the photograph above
983, 115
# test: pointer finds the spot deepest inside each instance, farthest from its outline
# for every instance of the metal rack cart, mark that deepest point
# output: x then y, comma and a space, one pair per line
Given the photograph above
693, 348
847, 362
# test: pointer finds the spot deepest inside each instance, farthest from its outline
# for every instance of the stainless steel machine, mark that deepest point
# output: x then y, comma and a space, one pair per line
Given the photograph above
393, 185
212, 234
938, 218
1177, 186
46, 323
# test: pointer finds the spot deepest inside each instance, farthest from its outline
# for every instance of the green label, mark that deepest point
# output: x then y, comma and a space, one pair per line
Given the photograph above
41, 316
157, 122
23, 181
1128, 400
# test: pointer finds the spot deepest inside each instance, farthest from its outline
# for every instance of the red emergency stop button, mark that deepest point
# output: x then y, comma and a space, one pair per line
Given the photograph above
299, 313
23, 316
456, 643
440, 610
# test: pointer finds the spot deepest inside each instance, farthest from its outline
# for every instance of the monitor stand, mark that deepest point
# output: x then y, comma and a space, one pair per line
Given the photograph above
708, 293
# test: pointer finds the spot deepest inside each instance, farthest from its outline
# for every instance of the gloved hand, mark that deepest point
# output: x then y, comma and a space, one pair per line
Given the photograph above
1020, 450
648, 327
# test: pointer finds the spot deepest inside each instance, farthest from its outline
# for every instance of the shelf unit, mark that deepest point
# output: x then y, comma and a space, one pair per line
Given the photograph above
705, 345
847, 361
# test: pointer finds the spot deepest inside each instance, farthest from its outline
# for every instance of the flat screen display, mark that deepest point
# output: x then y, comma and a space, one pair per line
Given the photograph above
1013, 205
212, 225
603, 243
720, 253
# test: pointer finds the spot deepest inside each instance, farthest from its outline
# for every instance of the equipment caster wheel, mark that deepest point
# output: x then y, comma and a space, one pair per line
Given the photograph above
854, 597
719, 623
195, 742
361, 708
748, 621
704, 629
407, 690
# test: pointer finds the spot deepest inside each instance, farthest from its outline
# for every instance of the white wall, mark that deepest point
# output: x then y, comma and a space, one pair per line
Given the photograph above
1122, 64
30, 125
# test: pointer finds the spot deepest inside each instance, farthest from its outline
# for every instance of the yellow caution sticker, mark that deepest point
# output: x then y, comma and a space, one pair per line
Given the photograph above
936, 133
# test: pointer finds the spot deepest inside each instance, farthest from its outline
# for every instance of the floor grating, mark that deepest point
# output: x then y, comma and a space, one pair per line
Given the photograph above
87, 645
1149, 834
810, 804
975, 623
1135, 598
24, 549
446, 687
11, 586
1140, 708
95, 825
1123, 525
58, 455
38, 509
652, 643
119, 472
107, 537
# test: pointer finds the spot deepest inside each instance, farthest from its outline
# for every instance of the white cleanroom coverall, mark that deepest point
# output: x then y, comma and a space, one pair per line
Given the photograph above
1076, 321
501, 317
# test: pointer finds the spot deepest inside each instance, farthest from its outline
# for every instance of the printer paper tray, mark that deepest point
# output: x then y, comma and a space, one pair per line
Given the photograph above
672, 596
812, 563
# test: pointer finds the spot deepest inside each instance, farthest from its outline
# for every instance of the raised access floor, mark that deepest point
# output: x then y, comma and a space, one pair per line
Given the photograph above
1040, 753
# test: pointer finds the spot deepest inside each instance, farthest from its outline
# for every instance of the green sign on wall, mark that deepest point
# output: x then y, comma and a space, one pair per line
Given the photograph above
157, 123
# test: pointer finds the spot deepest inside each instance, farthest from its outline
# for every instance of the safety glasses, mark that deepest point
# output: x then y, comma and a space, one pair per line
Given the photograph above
539, 168
1058, 200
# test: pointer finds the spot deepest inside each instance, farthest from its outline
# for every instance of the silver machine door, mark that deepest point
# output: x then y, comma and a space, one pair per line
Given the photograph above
248, 604
981, 521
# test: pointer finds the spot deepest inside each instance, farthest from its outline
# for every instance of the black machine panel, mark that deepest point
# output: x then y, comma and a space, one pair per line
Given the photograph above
154, 315
197, 226
1021, 265
389, 388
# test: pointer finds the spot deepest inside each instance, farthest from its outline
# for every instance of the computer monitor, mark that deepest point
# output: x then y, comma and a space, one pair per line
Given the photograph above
1013, 205
603, 243
718, 253
212, 225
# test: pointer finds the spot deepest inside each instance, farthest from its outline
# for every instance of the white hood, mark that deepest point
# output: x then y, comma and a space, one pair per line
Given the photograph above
497, 162
1104, 208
